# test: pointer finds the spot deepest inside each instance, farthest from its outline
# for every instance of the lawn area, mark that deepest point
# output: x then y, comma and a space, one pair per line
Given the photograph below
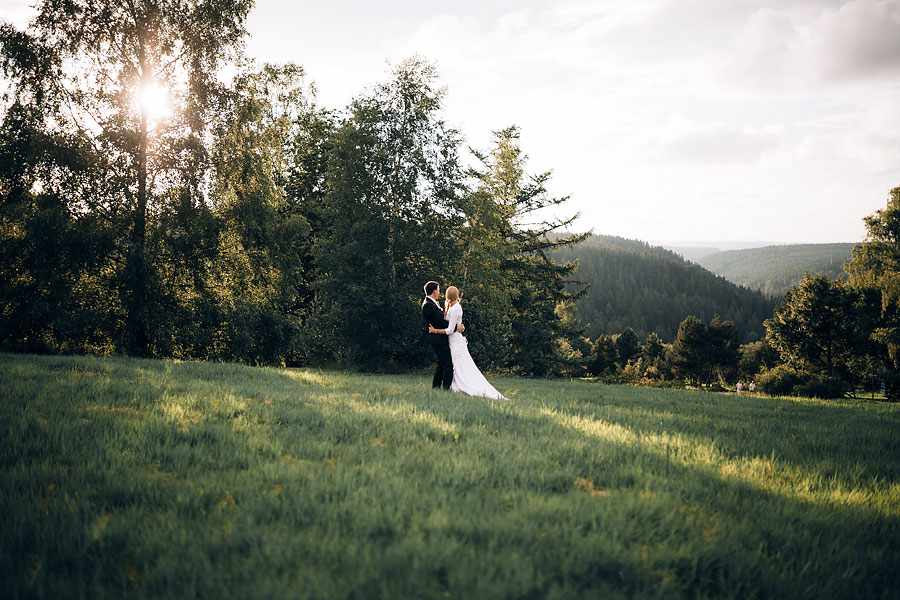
143, 478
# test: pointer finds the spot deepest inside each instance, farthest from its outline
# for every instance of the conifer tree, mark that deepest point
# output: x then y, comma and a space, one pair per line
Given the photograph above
627, 345
686, 356
509, 231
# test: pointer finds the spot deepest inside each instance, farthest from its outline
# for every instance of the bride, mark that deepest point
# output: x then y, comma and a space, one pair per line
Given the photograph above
466, 376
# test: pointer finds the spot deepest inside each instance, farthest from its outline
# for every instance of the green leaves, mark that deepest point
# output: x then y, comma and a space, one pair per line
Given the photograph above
812, 328
876, 265
704, 354
506, 266
387, 221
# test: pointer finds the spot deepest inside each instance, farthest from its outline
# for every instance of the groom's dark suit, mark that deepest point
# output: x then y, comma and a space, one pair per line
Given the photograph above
434, 316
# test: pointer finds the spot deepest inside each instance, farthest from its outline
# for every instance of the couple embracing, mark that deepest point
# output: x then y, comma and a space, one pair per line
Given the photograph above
456, 370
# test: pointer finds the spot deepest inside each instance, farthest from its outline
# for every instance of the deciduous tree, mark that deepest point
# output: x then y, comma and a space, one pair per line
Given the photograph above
875, 265
136, 80
390, 210
813, 327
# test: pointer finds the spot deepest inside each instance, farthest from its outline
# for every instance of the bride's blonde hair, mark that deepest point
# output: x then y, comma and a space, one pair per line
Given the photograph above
451, 295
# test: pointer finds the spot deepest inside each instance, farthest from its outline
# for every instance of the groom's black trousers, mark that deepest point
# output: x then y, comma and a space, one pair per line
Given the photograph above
443, 374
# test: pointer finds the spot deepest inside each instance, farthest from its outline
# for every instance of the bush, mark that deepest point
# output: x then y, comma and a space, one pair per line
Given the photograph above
632, 372
785, 381
779, 381
822, 386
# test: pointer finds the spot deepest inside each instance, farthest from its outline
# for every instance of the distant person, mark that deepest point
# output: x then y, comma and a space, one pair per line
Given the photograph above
740, 387
467, 377
752, 387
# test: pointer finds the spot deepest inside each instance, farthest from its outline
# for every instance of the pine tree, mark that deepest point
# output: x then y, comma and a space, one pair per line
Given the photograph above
686, 356
506, 244
627, 346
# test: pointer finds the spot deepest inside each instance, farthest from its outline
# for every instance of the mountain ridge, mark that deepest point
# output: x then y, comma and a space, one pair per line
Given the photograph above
652, 289
774, 269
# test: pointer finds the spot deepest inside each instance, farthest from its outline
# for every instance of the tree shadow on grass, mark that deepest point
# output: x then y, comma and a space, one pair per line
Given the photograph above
745, 537
850, 444
374, 488
732, 533
96, 451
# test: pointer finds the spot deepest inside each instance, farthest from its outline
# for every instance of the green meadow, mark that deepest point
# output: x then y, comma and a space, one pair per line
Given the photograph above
142, 478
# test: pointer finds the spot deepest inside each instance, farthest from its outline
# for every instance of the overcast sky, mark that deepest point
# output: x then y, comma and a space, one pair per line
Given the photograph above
665, 120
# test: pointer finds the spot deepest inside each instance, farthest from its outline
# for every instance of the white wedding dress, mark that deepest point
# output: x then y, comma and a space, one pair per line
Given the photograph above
466, 375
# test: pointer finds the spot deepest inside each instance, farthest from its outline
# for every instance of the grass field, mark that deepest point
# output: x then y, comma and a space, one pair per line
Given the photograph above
140, 478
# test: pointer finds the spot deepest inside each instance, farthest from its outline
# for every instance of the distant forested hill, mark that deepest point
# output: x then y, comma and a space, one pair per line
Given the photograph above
774, 269
693, 252
650, 289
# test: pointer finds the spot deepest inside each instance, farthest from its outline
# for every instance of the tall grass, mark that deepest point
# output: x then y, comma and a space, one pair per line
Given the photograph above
138, 478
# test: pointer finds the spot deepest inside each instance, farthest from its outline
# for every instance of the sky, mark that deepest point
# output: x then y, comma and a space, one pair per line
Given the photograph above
669, 121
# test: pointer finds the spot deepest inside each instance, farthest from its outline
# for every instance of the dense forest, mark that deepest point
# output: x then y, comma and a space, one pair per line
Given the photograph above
651, 289
775, 269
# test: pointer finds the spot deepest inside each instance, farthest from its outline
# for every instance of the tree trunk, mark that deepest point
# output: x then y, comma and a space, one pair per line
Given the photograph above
136, 318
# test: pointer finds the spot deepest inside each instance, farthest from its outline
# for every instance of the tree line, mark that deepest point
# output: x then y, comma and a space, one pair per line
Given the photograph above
247, 223
825, 338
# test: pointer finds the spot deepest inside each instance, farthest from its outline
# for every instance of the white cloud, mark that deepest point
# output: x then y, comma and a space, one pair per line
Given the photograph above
874, 140
762, 53
683, 140
857, 40
513, 23
786, 48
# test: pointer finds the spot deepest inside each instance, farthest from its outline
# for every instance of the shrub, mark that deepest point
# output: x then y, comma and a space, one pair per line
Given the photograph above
785, 381
822, 386
633, 371
779, 381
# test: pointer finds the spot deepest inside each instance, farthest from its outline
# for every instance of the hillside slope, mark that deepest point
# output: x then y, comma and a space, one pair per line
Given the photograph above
774, 269
651, 289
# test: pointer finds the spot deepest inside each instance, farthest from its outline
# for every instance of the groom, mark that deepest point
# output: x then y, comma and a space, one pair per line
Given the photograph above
434, 316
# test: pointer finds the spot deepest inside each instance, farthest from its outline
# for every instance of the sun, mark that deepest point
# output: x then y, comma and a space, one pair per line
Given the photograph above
154, 100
